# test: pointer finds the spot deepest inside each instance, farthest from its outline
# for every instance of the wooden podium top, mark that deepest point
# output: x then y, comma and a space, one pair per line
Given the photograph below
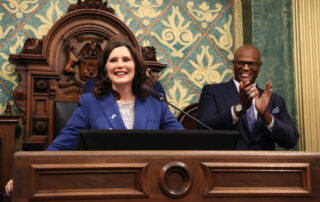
166, 175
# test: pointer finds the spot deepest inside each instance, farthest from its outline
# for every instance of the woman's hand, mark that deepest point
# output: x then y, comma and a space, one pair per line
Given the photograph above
9, 187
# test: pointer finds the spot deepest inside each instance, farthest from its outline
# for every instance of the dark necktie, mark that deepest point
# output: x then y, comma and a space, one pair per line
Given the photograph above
250, 118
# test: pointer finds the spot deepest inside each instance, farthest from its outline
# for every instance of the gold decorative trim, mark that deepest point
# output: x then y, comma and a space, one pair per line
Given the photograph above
306, 28
238, 24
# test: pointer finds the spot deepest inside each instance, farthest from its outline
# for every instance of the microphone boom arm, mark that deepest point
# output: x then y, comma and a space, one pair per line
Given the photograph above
188, 115
159, 97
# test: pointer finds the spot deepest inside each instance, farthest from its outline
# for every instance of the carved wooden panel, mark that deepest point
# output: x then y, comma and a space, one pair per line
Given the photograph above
187, 176
252, 179
84, 181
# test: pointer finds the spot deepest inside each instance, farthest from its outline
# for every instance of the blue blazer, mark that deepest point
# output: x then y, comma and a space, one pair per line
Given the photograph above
215, 111
104, 114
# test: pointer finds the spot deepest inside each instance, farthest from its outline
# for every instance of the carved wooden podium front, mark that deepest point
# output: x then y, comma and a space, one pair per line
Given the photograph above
193, 176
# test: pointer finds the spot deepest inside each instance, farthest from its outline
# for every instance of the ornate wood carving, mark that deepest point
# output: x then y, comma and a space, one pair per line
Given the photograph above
72, 60
40, 127
41, 85
90, 4
32, 46
175, 180
8, 108
20, 94
149, 53
82, 53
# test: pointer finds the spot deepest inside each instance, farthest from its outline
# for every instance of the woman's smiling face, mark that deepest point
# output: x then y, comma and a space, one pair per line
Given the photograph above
120, 67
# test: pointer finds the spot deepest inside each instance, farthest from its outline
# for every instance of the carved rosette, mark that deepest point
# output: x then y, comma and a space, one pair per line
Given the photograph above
175, 180
20, 94
41, 85
40, 127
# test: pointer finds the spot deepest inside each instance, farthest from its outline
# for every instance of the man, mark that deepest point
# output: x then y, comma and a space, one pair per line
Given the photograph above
260, 116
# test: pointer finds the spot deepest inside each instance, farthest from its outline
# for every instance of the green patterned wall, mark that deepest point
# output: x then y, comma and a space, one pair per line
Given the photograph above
272, 34
195, 38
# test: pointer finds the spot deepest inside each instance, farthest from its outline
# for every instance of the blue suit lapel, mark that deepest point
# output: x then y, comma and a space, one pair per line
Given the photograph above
233, 92
111, 111
142, 113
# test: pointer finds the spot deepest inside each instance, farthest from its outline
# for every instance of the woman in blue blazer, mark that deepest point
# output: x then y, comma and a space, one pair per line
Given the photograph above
117, 101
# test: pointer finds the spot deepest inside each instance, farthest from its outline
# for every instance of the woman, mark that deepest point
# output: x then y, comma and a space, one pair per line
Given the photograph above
117, 101
90, 83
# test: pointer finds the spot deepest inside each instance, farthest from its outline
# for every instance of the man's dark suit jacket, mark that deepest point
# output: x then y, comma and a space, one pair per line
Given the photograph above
215, 111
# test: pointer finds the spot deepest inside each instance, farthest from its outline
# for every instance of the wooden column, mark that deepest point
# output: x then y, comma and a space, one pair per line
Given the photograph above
306, 28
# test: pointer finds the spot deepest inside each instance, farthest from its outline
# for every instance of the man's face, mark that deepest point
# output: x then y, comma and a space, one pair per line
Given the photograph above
246, 64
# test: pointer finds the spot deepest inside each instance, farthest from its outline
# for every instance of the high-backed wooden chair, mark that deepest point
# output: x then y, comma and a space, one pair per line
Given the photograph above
54, 69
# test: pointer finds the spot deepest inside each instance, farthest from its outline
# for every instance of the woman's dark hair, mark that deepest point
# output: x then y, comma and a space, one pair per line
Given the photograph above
104, 86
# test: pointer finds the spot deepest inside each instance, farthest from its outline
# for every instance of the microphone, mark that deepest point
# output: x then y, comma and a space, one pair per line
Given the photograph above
152, 92
159, 97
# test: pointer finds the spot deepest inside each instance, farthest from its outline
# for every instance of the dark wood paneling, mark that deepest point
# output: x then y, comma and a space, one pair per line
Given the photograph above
7, 147
167, 176
103, 180
252, 179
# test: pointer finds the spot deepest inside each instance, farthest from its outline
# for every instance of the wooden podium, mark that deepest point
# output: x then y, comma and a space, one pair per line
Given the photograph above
166, 176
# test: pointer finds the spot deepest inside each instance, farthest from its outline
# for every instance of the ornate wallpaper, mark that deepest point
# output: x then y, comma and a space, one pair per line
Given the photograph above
275, 41
195, 38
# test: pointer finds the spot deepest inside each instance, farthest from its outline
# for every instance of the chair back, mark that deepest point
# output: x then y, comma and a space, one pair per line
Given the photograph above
187, 122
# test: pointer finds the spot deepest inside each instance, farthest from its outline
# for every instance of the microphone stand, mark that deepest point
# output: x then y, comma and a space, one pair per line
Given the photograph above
159, 97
